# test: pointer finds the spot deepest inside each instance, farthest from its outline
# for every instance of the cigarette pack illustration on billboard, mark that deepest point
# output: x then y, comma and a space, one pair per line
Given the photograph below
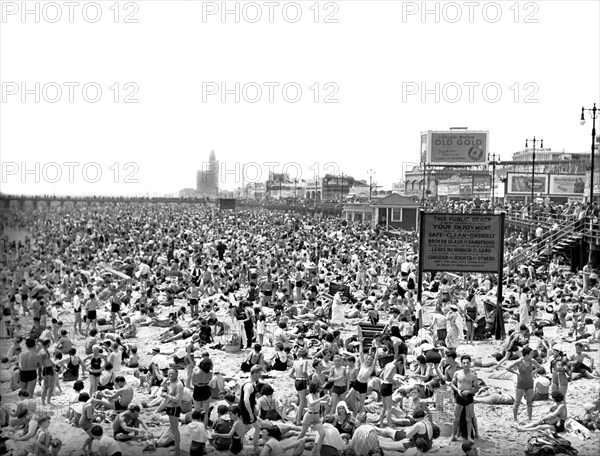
468, 147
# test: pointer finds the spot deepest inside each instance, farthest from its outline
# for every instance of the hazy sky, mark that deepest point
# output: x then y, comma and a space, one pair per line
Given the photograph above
395, 68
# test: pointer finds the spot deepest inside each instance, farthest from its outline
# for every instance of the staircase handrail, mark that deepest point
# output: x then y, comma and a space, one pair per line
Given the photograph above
541, 219
554, 236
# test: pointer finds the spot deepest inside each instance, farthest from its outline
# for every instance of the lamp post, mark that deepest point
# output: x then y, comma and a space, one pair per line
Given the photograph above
342, 188
370, 172
295, 191
424, 176
493, 158
533, 165
280, 186
593, 112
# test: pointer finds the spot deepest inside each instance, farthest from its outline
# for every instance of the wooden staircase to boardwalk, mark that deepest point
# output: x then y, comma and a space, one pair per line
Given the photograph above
367, 332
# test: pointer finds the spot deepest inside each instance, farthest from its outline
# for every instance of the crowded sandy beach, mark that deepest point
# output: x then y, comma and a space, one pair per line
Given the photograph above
135, 329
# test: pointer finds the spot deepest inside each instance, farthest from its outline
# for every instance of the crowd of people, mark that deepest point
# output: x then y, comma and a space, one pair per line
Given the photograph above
328, 306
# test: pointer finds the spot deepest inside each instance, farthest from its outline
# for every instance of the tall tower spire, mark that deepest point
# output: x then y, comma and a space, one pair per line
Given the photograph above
207, 180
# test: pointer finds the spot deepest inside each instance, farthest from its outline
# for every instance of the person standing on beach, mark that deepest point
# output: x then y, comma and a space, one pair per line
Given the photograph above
247, 404
91, 305
524, 369
465, 385
173, 396
30, 367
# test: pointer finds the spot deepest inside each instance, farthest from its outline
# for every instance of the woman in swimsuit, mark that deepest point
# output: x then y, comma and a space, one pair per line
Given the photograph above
107, 378
554, 420
560, 367
95, 368
256, 357
312, 417
524, 369
237, 431
48, 373
471, 317
73, 363
423, 370
300, 374
200, 380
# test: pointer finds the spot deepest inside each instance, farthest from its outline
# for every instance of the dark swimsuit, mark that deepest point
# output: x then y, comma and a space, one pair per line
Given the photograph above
27, 375
301, 384
201, 392
464, 401
236, 445
72, 372
96, 364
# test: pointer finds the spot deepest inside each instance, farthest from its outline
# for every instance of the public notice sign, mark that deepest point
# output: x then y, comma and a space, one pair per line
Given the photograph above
461, 242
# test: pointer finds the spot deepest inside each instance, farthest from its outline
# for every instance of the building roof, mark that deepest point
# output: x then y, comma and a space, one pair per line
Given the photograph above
395, 200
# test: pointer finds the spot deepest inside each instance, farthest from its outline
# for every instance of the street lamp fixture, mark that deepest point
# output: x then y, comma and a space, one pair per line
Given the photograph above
370, 172
533, 164
593, 113
493, 158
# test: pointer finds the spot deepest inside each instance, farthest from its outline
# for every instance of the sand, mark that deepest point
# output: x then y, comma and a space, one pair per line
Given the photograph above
497, 435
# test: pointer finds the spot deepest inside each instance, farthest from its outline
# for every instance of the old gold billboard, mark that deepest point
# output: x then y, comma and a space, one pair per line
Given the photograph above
467, 147
462, 242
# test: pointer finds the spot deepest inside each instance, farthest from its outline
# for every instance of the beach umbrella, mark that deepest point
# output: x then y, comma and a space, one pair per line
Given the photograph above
498, 325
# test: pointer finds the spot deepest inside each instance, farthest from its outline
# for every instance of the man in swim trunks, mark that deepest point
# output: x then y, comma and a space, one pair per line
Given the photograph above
465, 385
30, 365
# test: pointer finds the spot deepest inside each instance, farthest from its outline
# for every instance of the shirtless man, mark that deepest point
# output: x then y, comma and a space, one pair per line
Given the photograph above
119, 399
91, 313
465, 385
299, 373
30, 367
579, 367
387, 386
367, 366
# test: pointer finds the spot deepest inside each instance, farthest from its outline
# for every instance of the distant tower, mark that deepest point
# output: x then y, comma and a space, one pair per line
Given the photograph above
207, 179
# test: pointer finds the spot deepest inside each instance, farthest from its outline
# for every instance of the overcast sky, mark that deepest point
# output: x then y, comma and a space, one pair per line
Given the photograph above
524, 69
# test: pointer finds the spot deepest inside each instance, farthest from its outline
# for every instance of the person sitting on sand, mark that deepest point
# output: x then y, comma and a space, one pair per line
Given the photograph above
419, 435
580, 369
126, 425
554, 420
119, 399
